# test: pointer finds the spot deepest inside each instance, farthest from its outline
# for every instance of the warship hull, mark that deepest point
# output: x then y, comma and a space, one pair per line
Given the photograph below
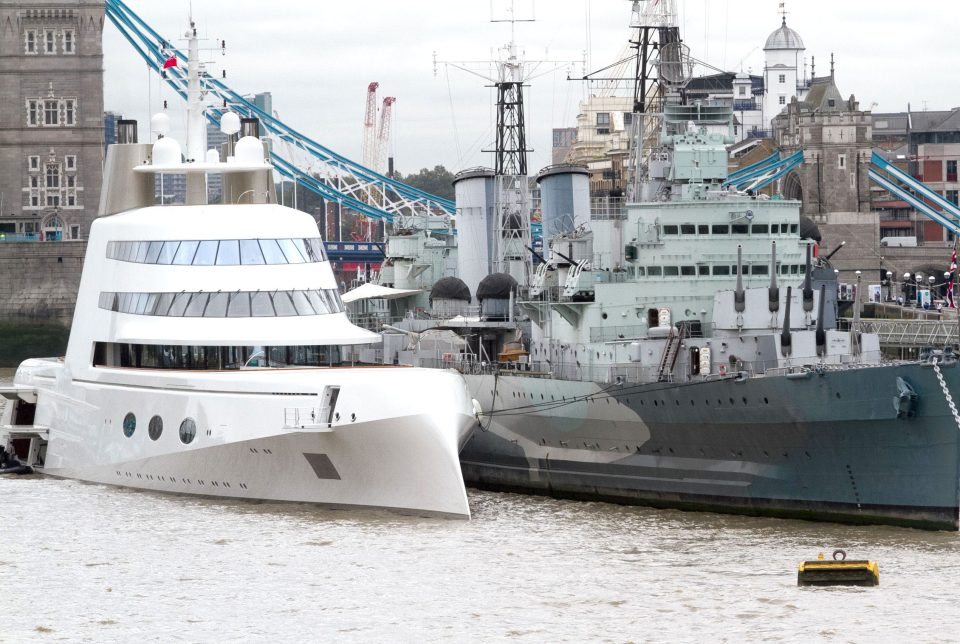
820, 444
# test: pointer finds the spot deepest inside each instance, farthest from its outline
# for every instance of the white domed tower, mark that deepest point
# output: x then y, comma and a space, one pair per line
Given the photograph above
781, 73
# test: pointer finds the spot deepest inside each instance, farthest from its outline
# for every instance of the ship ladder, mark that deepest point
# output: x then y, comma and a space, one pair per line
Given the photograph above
669, 357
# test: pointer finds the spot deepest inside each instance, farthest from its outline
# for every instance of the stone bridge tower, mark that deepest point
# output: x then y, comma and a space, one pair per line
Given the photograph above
51, 116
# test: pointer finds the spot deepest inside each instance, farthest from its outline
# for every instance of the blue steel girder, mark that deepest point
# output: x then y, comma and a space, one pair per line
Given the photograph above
346, 182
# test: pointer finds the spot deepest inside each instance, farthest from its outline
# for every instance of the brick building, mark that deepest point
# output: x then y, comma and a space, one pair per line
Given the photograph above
51, 117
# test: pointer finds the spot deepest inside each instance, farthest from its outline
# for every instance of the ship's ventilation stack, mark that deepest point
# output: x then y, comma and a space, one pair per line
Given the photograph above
476, 225
496, 295
564, 198
449, 297
124, 189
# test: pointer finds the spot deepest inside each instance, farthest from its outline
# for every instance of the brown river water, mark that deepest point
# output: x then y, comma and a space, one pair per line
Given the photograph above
81, 562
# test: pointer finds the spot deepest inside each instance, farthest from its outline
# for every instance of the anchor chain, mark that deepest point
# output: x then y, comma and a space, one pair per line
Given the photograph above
946, 394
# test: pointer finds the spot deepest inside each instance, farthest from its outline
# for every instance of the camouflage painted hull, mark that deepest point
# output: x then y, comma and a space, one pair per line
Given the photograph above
821, 445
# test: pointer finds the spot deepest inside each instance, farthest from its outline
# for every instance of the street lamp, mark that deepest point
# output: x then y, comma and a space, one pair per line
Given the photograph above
906, 290
919, 279
889, 276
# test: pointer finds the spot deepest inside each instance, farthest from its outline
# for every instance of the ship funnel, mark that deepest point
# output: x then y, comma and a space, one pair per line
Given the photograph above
785, 341
821, 334
250, 127
807, 288
126, 131
773, 298
739, 298
123, 189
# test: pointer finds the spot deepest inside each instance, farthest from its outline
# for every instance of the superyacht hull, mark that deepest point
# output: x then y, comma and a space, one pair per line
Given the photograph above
823, 445
382, 442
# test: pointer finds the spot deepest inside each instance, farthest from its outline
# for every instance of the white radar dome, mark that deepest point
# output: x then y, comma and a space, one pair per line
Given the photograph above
229, 123
249, 151
213, 156
166, 152
160, 124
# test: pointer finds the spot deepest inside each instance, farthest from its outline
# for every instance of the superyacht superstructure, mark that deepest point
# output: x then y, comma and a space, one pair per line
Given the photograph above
210, 353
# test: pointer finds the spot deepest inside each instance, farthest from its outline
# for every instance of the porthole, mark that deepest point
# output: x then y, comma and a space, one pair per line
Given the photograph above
155, 428
603, 316
188, 430
129, 424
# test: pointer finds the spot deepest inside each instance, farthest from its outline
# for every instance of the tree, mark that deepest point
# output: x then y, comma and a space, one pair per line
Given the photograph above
438, 181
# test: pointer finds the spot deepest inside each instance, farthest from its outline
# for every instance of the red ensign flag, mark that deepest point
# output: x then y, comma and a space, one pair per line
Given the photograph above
170, 62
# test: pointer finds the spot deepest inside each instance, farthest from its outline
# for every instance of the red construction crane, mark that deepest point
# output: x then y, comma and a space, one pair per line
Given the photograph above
370, 127
383, 137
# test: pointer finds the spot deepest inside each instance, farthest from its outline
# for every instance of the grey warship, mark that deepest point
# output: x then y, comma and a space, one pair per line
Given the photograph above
682, 352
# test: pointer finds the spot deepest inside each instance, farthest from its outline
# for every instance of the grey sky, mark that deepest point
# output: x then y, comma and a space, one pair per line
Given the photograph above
318, 57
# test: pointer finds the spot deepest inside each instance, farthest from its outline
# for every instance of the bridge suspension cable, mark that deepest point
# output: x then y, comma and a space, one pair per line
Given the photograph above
340, 180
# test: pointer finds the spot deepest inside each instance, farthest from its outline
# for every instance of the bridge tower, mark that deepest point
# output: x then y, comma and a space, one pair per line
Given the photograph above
51, 116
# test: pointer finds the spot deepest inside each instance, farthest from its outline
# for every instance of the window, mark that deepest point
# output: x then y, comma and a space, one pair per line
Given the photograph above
603, 123
227, 252
33, 113
193, 358
742, 90
51, 113
703, 229
71, 200
70, 112
74, 232
841, 161
155, 428
219, 305
759, 229
34, 181
49, 46
782, 79
831, 102
952, 196
53, 201
654, 271
30, 40
775, 229
70, 161
952, 170
671, 271
759, 269
721, 270
53, 176
703, 270
688, 270
720, 229
670, 230
68, 47
188, 429
34, 163
35, 201
782, 100
129, 424
688, 229
739, 229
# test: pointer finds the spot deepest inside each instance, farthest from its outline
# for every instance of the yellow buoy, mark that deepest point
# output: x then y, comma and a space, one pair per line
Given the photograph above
839, 572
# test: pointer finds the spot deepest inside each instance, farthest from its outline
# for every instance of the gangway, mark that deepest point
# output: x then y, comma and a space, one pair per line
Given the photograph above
339, 179
921, 198
909, 334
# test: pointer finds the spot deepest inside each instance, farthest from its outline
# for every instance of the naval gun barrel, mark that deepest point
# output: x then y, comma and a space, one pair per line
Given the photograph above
807, 287
739, 298
821, 335
834, 251
773, 294
785, 340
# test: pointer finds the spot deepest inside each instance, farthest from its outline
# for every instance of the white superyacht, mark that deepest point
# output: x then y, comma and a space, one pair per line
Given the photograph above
210, 354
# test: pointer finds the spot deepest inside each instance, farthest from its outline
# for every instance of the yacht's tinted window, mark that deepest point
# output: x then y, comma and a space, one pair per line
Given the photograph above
261, 305
291, 251
271, 252
239, 306
198, 302
168, 252
129, 424
250, 252
188, 429
180, 301
229, 253
153, 252
142, 248
282, 304
720, 229
217, 305
206, 253
155, 428
185, 253
302, 304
